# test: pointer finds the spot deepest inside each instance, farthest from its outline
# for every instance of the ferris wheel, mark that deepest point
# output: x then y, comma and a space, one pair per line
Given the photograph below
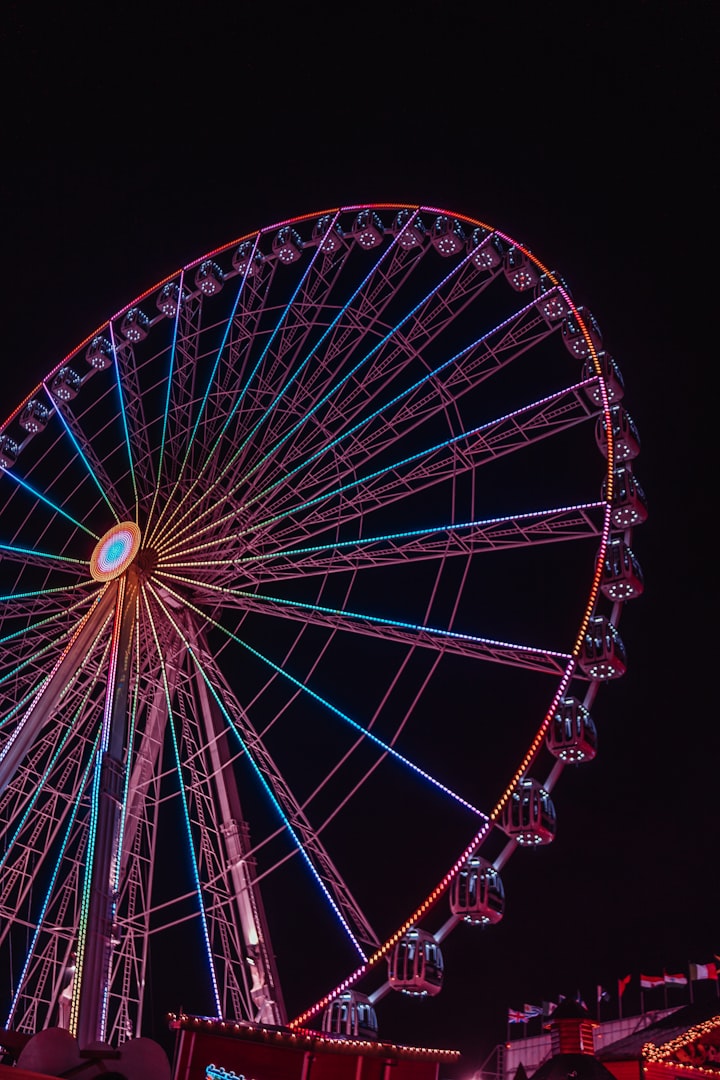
311, 563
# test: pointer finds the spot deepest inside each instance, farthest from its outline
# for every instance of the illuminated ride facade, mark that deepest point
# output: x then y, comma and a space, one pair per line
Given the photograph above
312, 560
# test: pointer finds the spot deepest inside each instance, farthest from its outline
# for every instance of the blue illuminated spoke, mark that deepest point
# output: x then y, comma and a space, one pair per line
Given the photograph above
240, 397
32, 555
48, 502
384, 409
325, 397
203, 406
186, 813
386, 748
123, 414
171, 367
81, 453
432, 466
49, 894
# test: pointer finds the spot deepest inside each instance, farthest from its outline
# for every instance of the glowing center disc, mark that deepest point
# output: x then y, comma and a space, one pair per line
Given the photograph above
115, 551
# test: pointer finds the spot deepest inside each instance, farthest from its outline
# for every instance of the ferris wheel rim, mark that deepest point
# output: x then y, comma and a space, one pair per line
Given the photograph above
594, 590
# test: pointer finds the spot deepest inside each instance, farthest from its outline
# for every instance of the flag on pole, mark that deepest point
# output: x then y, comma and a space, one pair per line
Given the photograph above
623, 984
549, 1007
703, 971
675, 980
649, 982
515, 1016
579, 999
533, 1010
602, 995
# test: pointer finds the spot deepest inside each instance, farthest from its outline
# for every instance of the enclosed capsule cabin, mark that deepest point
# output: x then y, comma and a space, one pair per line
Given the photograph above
66, 384
447, 236
603, 655
247, 259
629, 505
99, 354
529, 816
416, 964
574, 331
351, 1015
610, 375
409, 229
209, 278
552, 303
572, 735
368, 230
34, 417
622, 578
486, 249
626, 441
169, 299
135, 325
329, 238
9, 451
287, 245
477, 894
520, 270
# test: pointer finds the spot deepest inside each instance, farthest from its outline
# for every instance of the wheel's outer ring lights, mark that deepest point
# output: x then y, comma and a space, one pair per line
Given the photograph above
115, 551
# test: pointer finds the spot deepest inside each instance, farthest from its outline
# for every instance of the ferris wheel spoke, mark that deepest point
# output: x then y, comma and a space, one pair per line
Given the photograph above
294, 822
434, 465
186, 812
46, 559
54, 685
403, 348
388, 426
136, 429
86, 453
34, 602
553, 525
315, 379
240, 397
47, 501
16, 643
414, 405
49, 779
49, 951
223, 384
179, 380
345, 332
283, 671
403, 633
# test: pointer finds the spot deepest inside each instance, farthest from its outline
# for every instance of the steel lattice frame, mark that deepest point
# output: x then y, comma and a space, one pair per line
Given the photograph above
339, 447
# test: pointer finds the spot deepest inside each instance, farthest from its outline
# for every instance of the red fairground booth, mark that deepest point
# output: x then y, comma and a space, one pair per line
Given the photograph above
223, 1050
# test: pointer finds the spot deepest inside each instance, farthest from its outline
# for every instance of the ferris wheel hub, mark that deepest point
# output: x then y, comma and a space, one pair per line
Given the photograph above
115, 551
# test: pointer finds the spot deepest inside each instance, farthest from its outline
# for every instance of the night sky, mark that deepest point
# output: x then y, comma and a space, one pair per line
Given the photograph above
133, 144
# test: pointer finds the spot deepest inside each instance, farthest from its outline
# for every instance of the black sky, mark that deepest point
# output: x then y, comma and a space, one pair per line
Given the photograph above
136, 141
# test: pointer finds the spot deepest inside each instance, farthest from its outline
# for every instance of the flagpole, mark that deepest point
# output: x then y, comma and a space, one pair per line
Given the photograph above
690, 982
